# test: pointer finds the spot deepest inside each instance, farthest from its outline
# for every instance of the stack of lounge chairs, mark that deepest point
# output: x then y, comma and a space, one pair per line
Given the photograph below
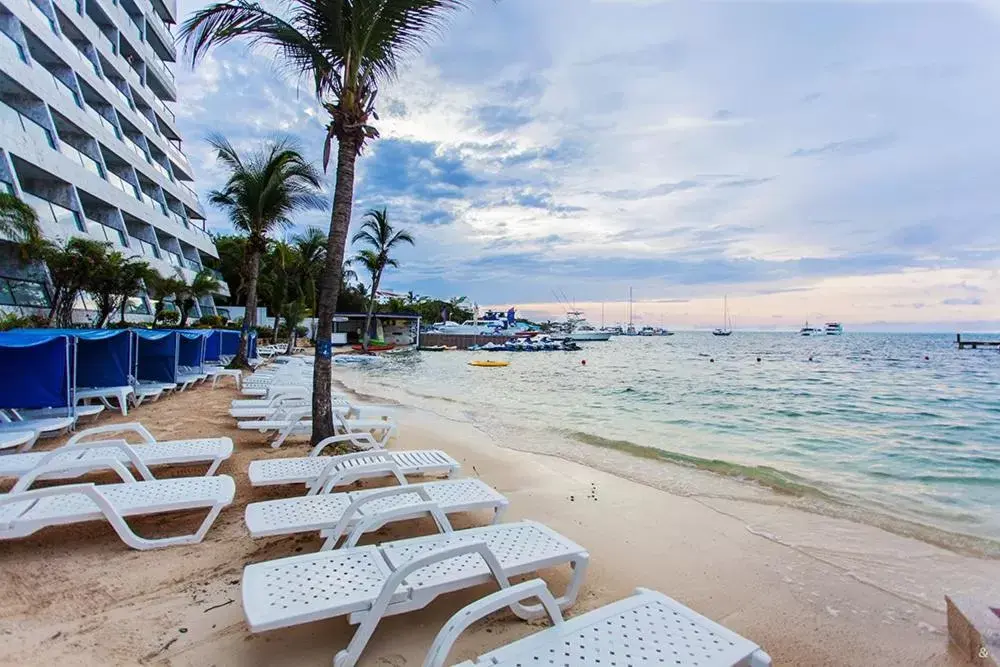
361, 583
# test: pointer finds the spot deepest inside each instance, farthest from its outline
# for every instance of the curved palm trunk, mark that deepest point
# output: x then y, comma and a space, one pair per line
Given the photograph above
329, 288
250, 317
367, 338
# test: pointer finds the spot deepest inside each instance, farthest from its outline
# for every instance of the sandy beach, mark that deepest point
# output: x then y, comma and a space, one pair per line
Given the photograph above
810, 589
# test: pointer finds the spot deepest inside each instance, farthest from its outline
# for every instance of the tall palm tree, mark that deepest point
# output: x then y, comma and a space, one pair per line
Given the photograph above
347, 48
381, 237
264, 189
18, 221
277, 285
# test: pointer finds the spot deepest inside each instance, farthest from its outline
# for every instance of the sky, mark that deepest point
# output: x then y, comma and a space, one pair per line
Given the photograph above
806, 160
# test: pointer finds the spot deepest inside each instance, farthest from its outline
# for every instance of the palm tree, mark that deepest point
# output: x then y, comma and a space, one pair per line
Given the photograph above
263, 190
202, 285
160, 289
311, 247
281, 266
381, 237
18, 221
347, 48
295, 312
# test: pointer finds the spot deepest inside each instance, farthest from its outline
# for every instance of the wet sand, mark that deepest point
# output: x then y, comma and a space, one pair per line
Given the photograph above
811, 590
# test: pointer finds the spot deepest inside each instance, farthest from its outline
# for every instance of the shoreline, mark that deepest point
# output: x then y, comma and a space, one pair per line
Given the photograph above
588, 449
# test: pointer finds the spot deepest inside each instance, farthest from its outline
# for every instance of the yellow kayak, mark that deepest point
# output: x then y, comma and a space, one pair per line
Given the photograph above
489, 364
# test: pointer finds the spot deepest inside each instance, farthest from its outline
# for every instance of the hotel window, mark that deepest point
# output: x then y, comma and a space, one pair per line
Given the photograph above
136, 306
29, 293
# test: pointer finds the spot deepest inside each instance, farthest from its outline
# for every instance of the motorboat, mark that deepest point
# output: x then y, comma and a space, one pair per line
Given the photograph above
647, 331
834, 328
579, 329
809, 331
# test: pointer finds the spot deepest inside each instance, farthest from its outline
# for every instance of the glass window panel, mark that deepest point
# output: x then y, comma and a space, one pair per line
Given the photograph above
6, 298
28, 293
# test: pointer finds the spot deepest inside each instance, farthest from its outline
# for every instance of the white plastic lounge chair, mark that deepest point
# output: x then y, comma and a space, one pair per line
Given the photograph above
121, 394
371, 582
24, 512
20, 441
42, 427
360, 512
94, 455
288, 401
322, 473
647, 628
298, 421
80, 412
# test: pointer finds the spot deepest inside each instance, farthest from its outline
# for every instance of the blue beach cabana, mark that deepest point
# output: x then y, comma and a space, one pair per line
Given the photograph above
156, 356
37, 371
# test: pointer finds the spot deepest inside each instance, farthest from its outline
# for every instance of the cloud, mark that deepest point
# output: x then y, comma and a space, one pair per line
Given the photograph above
848, 146
831, 161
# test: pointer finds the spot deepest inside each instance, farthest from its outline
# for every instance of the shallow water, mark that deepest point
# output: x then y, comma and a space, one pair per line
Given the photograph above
863, 418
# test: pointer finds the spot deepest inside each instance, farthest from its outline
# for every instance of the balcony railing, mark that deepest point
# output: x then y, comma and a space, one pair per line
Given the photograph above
148, 123
162, 106
110, 234
66, 91
51, 212
123, 97
174, 259
34, 130
123, 185
180, 219
218, 275
84, 160
8, 44
145, 248
135, 148
99, 117
159, 167
193, 265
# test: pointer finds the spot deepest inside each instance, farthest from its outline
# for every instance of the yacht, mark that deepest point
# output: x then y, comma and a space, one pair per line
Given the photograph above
577, 328
834, 328
809, 331
647, 331
614, 331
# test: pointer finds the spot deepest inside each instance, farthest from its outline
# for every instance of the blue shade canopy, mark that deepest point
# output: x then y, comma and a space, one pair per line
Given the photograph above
156, 355
191, 350
103, 356
213, 345
37, 370
230, 342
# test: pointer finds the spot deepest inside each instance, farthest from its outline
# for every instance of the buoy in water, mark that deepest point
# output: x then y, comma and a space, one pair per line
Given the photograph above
758, 360
711, 361
583, 362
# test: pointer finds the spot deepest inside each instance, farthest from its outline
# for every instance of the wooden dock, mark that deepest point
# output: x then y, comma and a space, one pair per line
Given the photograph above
975, 344
461, 342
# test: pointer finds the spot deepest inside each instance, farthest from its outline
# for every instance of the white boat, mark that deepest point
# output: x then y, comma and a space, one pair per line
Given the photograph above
466, 328
809, 331
726, 328
647, 331
578, 329
834, 328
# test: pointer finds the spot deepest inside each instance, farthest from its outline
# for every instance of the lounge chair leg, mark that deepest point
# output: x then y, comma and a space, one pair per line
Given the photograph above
569, 597
760, 659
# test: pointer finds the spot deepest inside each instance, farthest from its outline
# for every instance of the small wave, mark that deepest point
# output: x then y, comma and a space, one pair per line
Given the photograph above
778, 480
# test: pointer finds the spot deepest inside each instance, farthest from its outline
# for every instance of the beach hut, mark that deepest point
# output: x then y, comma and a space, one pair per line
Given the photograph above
213, 346
230, 341
37, 371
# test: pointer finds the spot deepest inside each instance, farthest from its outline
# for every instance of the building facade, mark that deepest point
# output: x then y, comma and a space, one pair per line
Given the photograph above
89, 139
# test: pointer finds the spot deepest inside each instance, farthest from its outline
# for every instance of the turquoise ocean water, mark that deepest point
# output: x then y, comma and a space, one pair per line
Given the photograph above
864, 419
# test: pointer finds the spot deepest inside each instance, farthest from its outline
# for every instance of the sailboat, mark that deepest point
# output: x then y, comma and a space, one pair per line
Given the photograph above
726, 329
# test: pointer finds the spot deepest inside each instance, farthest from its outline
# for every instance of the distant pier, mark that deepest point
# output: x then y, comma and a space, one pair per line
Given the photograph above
975, 344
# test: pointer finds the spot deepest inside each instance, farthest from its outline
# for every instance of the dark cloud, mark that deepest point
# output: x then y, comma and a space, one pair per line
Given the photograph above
745, 182
657, 191
495, 118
